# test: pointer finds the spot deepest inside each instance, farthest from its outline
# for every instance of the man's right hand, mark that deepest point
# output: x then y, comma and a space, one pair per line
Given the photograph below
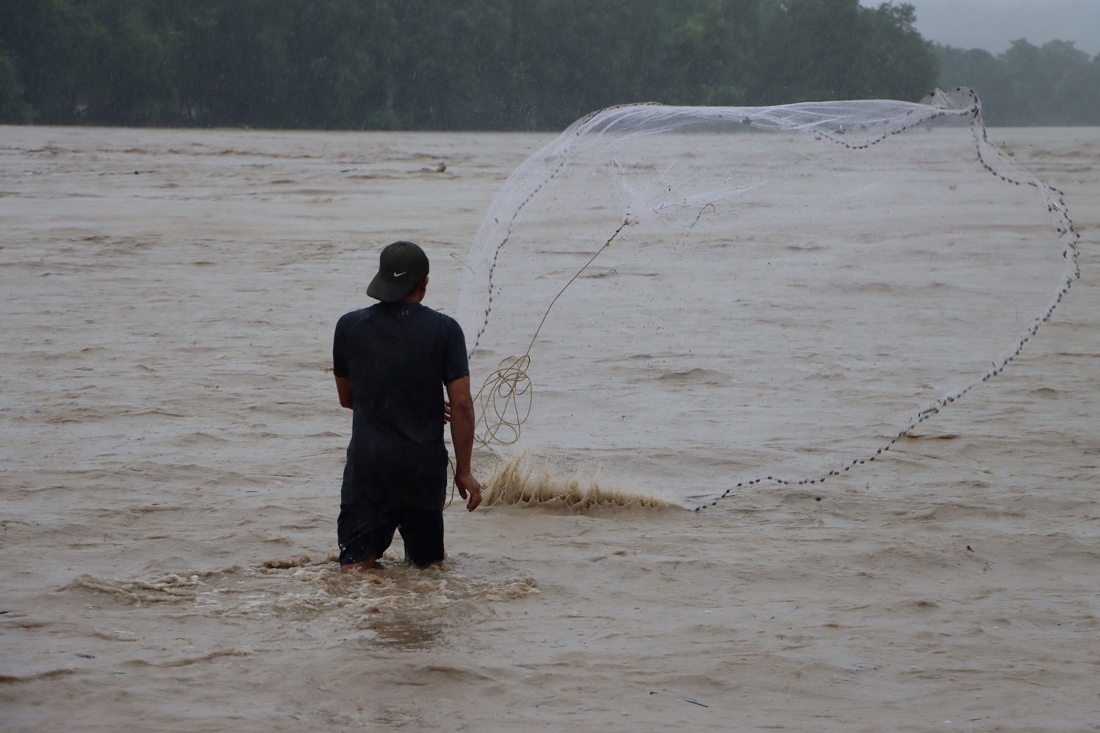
460, 410
468, 486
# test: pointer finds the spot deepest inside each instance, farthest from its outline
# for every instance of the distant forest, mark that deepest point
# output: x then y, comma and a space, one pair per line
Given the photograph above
491, 64
1055, 84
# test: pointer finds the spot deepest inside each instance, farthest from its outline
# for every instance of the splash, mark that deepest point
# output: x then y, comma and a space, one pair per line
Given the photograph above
702, 300
517, 482
387, 600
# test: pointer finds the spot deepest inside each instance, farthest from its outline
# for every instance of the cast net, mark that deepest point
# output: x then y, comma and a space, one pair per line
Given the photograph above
692, 301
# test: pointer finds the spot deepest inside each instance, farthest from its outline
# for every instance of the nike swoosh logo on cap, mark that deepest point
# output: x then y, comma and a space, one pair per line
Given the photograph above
399, 274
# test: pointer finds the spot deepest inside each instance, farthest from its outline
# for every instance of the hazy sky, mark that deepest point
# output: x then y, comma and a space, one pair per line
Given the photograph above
994, 24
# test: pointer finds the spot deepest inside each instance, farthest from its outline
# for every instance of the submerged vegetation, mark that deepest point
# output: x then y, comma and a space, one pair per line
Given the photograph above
484, 64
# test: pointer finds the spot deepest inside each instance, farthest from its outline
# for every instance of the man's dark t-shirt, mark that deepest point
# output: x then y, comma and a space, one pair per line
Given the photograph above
398, 356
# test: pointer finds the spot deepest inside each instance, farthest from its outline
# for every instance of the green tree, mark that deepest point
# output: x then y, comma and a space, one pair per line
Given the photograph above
1055, 77
13, 110
485, 64
45, 41
983, 72
806, 50
834, 49
904, 65
705, 61
452, 69
1055, 84
127, 62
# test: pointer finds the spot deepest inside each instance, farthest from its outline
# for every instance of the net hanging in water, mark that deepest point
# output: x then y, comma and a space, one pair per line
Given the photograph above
693, 300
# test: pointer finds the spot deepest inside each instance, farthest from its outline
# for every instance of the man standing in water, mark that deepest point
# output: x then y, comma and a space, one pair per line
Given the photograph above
392, 361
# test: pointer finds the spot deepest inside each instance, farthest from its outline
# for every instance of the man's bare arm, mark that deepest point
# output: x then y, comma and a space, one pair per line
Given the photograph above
343, 387
462, 434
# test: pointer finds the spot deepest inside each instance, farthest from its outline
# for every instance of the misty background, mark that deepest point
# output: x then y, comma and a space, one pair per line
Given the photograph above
528, 64
992, 25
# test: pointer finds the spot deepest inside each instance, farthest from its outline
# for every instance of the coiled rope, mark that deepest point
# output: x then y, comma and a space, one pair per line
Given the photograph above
505, 399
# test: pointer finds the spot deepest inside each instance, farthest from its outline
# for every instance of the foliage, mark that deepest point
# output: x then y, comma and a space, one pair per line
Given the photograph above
1055, 84
439, 64
12, 106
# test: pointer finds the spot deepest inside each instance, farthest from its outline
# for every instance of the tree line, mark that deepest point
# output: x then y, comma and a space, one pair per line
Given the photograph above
1052, 84
479, 64
439, 64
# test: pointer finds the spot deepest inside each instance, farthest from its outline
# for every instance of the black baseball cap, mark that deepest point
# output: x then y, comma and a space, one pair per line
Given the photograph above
401, 267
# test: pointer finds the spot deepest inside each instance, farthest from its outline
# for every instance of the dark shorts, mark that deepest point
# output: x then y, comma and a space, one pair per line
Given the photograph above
366, 529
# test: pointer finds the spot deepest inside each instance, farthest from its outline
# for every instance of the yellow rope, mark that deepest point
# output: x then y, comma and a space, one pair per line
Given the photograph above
500, 395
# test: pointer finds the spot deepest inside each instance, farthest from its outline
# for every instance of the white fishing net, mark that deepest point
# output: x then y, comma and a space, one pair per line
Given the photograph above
771, 294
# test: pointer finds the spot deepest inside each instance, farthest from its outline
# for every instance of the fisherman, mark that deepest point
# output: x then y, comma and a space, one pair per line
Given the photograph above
392, 361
